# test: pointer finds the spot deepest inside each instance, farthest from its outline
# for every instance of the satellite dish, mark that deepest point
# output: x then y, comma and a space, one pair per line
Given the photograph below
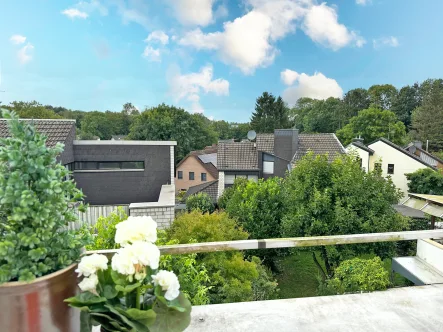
252, 135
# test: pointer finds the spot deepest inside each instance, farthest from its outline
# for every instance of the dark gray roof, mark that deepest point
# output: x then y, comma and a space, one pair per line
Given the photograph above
363, 147
209, 158
265, 143
237, 156
406, 152
409, 212
411, 147
318, 144
210, 188
55, 130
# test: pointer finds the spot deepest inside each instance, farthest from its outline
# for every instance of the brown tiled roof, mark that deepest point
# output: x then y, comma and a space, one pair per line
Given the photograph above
210, 188
265, 143
237, 156
318, 144
55, 130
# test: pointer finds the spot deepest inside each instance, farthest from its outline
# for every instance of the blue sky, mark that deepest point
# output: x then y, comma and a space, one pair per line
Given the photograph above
211, 56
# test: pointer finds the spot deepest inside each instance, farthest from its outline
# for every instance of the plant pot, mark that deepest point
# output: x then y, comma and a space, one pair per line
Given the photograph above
38, 306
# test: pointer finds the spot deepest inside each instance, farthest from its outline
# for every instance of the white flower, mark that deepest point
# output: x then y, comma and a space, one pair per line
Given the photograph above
136, 229
133, 259
146, 254
168, 282
90, 264
89, 284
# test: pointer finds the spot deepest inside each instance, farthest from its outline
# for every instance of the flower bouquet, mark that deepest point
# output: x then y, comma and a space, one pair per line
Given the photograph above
131, 294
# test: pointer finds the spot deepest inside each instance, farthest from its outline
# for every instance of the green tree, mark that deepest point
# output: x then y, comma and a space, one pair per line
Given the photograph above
372, 124
31, 110
426, 181
239, 131
382, 95
222, 128
427, 119
130, 109
200, 202
356, 100
171, 123
270, 113
97, 124
357, 275
233, 278
405, 102
325, 198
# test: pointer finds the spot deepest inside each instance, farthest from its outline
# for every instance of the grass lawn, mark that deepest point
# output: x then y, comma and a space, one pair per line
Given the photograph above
299, 275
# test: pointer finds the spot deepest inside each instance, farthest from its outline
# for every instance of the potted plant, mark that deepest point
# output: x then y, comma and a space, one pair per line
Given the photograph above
130, 293
38, 253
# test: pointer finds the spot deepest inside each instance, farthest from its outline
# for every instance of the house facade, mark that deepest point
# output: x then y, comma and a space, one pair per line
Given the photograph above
417, 149
198, 167
114, 172
393, 160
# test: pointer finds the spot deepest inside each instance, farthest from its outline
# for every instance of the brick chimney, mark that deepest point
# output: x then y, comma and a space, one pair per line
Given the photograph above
285, 143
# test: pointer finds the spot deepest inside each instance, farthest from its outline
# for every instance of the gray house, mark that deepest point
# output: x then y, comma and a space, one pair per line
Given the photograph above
112, 172
271, 154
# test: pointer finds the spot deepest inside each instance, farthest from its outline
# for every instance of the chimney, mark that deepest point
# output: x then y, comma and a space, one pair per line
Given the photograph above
285, 143
358, 139
418, 144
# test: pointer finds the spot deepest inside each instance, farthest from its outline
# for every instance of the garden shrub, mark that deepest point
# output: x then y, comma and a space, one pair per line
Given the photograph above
357, 275
201, 202
105, 230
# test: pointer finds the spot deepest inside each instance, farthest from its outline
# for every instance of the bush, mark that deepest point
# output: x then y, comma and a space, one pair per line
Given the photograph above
425, 181
201, 202
233, 278
105, 229
228, 192
357, 275
37, 201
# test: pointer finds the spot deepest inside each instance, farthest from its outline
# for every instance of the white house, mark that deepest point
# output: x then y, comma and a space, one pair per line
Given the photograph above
393, 160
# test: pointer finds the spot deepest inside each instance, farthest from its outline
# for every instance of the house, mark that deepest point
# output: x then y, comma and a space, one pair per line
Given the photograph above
198, 167
270, 155
111, 172
417, 149
210, 188
393, 160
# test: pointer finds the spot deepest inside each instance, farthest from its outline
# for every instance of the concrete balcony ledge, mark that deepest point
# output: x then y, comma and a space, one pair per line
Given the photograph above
408, 309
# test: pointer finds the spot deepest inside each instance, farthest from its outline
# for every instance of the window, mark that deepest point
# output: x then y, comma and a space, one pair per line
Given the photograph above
390, 168
377, 166
360, 162
268, 164
229, 179
180, 174
253, 178
203, 176
191, 175
108, 165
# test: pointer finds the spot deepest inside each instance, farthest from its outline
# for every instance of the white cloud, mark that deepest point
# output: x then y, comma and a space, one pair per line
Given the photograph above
248, 42
321, 25
24, 55
17, 39
317, 86
221, 12
289, 76
159, 36
74, 13
385, 42
193, 12
190, 86
152, 54
363, 2
92, 6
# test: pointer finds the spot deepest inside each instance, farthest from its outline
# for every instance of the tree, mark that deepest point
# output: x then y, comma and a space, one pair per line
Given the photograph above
356, 100
222, 128
258, 207
200, 202
357, 275
427, 119
233, 278
171, 123
323, 198
383, 95
425, 181
98, 124
372, 124
405, 102
239, 131
270, 113
130, 109
31, 110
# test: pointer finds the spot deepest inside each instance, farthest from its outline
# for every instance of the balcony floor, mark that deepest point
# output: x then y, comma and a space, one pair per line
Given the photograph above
408, 309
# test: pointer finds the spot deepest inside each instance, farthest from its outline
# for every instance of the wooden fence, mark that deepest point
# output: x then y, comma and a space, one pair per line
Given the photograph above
93, 212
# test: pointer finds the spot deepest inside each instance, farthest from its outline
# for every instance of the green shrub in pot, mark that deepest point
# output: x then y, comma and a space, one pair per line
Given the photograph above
37, 201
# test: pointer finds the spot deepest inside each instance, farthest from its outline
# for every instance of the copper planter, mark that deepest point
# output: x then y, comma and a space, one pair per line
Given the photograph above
38, 306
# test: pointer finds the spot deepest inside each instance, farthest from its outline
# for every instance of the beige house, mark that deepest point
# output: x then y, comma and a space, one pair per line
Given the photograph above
196, 168
393, 160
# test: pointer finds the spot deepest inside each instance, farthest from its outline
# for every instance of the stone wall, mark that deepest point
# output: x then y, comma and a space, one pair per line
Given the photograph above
164, 216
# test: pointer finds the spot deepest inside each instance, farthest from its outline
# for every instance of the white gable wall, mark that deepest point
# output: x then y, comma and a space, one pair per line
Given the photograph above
403, 164
364, 155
